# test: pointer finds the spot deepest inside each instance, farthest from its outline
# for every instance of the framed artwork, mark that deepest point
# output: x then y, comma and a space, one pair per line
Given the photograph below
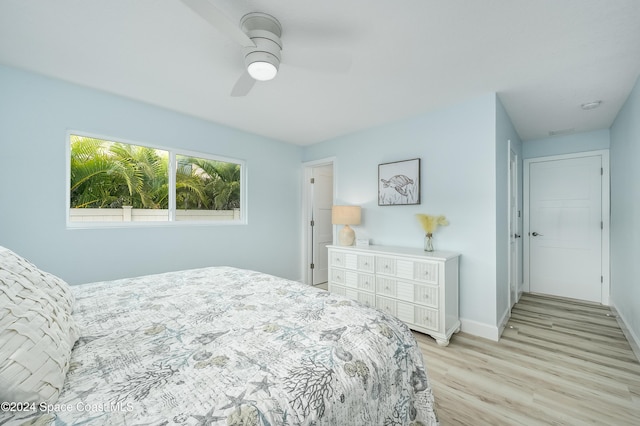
399, 183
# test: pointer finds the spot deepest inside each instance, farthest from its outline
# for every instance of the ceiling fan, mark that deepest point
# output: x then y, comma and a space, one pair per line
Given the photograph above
259, 35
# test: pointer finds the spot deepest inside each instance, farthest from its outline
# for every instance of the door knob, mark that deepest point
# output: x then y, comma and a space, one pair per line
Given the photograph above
535, 234
516, 235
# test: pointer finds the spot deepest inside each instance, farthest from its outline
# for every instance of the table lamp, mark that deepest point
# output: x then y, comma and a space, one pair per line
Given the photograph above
346, 215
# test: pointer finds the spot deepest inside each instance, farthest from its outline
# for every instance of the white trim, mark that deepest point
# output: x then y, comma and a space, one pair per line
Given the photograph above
244, 186
480, 329
512, 225
172, 184
509, 225
604, 154
502, 324
634, 341
305, 270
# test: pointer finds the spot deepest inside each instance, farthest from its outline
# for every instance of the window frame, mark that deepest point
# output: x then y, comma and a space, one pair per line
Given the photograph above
171, 218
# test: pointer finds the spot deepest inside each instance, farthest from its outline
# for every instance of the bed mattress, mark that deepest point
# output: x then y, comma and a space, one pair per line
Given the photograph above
234, 347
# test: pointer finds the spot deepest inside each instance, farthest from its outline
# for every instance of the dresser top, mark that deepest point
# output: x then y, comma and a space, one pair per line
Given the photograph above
405, 251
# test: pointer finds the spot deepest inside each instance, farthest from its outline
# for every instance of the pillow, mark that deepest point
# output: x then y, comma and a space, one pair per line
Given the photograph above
36, 338
55, 287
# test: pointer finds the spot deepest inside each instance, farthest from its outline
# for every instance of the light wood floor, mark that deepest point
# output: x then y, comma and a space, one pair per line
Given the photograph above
559, 362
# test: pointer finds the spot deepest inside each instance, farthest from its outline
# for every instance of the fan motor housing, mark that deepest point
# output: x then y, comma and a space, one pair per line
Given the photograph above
265, 31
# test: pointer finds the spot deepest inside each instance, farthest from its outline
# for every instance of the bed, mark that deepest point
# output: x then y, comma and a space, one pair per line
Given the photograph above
216, 345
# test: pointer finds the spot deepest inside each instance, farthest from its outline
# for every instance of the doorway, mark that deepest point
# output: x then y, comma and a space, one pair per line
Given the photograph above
566, 223
318, 230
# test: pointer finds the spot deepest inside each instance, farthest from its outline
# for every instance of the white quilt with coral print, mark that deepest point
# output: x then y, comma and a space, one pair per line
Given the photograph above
234, 347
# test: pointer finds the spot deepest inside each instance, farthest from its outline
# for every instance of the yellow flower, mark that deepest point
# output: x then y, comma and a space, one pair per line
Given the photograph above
430, 223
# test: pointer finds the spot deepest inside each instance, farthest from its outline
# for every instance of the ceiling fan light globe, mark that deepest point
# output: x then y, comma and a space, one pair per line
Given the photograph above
262, 71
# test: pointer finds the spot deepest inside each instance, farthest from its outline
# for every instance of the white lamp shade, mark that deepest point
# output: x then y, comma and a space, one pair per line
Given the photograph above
345, 215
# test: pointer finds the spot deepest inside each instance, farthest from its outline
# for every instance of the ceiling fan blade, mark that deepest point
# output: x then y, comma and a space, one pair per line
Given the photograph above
320, 60
212, 15
243, 85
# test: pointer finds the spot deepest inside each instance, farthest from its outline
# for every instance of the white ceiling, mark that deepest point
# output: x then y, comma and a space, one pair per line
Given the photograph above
544, 58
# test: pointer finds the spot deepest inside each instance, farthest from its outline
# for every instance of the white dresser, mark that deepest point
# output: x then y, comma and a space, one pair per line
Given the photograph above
417, 287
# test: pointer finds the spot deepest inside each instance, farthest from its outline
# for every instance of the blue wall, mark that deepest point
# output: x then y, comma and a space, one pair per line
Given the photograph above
464, 176
457, 146
35, 114
623, 142
625, 212
566, 144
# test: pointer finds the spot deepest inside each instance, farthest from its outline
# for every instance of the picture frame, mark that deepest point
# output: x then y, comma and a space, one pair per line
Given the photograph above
399, 183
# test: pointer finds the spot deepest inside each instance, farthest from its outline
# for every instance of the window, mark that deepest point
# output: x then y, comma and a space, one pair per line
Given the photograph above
207, 188
113, 182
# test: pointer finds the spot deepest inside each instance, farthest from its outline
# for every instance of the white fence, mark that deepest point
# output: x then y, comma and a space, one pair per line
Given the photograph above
129, 214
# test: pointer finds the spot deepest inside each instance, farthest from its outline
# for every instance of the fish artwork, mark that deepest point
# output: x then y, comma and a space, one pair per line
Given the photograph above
398, 182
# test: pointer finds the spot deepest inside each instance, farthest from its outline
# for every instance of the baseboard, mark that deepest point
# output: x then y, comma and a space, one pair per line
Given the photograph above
633, 340
503, 322
479, 329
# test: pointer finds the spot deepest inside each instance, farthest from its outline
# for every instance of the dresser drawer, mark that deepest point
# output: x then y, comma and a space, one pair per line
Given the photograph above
366, 282
407, 291
386, 286
338, 258
360, 262
353, 279
338, 276
409, 313
366, 263
386, 265
400, 310
426, 317
426, 272
408, 269
417, 270
386, 305
426, 295
368, 299
363, 297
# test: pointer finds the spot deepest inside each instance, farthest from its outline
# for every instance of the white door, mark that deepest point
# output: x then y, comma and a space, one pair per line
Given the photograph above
321, 229
514, 232
565, 227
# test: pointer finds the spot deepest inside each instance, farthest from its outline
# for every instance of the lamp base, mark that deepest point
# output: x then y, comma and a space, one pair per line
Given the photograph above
346, 236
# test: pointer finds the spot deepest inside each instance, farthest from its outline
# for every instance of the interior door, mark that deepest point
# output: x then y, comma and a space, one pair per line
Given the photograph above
321, 230
565, 227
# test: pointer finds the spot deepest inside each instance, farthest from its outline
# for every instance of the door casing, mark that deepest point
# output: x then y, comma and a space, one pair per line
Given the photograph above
514, 231
307, 214
605, 216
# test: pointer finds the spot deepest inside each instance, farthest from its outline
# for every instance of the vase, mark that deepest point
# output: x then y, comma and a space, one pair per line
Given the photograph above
428, 242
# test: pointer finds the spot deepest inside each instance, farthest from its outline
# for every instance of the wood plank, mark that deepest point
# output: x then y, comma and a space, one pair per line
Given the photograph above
559, 362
